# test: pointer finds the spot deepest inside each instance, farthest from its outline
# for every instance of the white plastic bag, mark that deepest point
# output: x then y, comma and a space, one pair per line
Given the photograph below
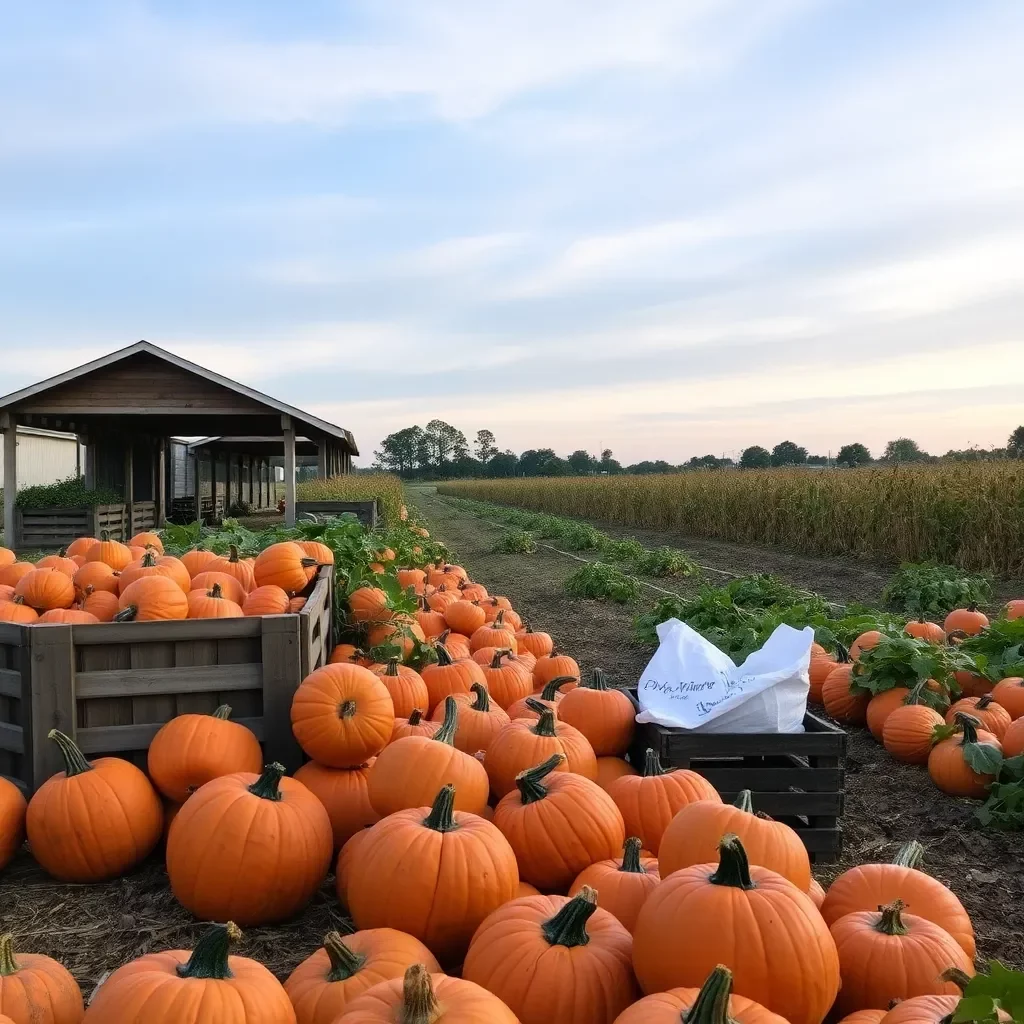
691, 684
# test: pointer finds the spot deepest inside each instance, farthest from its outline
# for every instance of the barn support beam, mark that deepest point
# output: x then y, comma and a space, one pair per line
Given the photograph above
289, 470
321, 460
161, 485
198, 489
129, 489
10, 429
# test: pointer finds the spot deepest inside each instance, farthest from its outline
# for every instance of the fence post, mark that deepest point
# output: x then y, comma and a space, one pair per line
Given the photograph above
48, 685
282, 673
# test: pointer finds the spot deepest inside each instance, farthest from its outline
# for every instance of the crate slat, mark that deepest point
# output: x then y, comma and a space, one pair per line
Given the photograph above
152, 682
10, 683
184, 629
12, 738
110, 739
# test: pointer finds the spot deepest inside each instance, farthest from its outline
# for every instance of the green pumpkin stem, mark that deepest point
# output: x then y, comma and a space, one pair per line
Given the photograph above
530, 782
149, 559
450, 725
569, 926
483, 699
442, 813
890, 922
392, 670
415, 716
215, 592
652, 764
550, 691
909, 855
443, 655
209, 959
743, 801
598, 680
268, 785
501, 652
419, 1004
733, 866
498, 621
75, 762
232, 552
969, 725
223, 712
631, 857
344, 961
842, 654
984, 701
545, 724
8, 963
957, 977
712, 1003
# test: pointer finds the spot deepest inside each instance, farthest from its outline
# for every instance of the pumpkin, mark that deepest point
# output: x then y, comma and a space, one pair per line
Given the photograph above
150, 599
817, 673
611, 768
886, 955
991, 715
710, 1004
44, 589
816, 892
473, 591
693, 835
285, 565
865, 642
152, 564
553, 666
318, 550
206, 986
402, 632
197, 560
446, 870
929, 1009
7, 557
324, 984
423, 998
118, 556
540, 645
549, 697
12, 821
414, 725
450, 676
441, 598
648, 802
1015, 609
95, 820
972, 685
102, 603
269, 600
495, 634
842, 701
6, 593
229, 586
342, 715
949, 765
344, 794
11, 574
922, 630
190, 750
238, 568
345, 653
506, 680
211, 604
415, 578
78, 548
479, 720
465, 617
68, 617
572, 960
346, 859
522, 744
558, 823
457, 644
35, 989
1013, 740
295, 605
869, 886
1010, 693
606, 716
97, 575
908, 732
410, 771
770, 933
18, 612
406, 686
492, 605
247, 847
432, 623
883, 704
624, 883
68, 566
968, 620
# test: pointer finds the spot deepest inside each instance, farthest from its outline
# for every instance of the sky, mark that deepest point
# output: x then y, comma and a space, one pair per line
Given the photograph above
664, 227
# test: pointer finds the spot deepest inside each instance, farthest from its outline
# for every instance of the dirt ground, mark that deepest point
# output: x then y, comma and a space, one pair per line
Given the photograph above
886, 803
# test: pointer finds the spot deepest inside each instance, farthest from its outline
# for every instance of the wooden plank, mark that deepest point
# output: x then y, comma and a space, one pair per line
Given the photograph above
289, 470
154, 706
149, 682
10, 683
282, 664
12, 738
115, 738
200, 654
823, 840
778, 805
10, 429
680, 744
48, 701
171, 631
13, 635
732, 780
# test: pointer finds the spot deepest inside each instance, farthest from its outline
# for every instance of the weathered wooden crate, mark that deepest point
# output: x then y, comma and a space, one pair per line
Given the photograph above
316, 622
57, 527
795, 777
366, 511
112, 686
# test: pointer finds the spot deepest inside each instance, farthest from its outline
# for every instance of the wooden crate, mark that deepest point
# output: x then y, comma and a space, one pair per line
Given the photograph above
795, 777
365, 511
316, 622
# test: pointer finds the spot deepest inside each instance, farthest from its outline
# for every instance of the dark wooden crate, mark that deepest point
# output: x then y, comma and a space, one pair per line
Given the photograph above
795, 777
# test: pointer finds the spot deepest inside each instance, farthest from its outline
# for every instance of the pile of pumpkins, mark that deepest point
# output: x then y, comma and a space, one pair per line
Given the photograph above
94, 581
924, 725
500, 860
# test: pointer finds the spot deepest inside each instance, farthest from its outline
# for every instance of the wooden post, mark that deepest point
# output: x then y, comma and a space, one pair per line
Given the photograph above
90, 463
129, 489
281, 675
49, 692
161, 485
195, 483
10, 428
289, 470
321, 460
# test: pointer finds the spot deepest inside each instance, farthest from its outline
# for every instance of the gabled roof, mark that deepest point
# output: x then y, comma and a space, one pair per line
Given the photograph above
146, 348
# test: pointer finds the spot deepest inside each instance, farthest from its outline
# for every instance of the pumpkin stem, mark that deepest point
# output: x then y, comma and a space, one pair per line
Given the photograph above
8, 964
215, 592
450, 725
443, 657
499, 619
483, 700
712, 1003
891, 922
209, 959
529, 782
958, 977
909, 855
545, 724
232, 552
127, 614
569, 926
598, 681
347, 708
344, 962
744, 802
223, 712
501, 652
842, 654
268, 785
969, 725
415, 716
652, 764
983, 702
149, 559
392, 669
631, 857
74, 760
419, 1004
441, 817
550, 691
733, 866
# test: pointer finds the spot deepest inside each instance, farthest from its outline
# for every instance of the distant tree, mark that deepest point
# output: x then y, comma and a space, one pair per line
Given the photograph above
503, 464
788, 453
904, 450
855, 454
531, 462
485, 447
445, 445
400, 452
755, 457
1015, 445
608, 463
582, 463
554, 466
704, 462
817, 460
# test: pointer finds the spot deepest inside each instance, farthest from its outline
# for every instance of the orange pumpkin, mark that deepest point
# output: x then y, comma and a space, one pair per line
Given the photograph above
406, 686
496, 633
97, 575
440, 598
347, 858
95, 820
401, 632
104, 604
152, 564
968, 620
573, 958
45, 589
450, 676
197, 560
318, 550
68, 617
12, 573
479, 720
249, 847
908, 732
79, 547
415, 578
6, 593
922, 1009
820, 668
285, 565
345, 653
648, 802
991, 715
235, 567
118, 556
948, 763
414, 725
1010, 693
344, 794
865, 642
922, 630
883, 704
35, 989
16, 611
446, 870
606, 716
554, 666
342, 715
229, 586
68, 566
432, 623
506, 680
816, 892
540, 645
465, 617
152, 598
211, 604
611, 768
295, 605
190, 750
1013, 740
457, 644
1015, 609
270, 600
12, 821
844, 703
624, 883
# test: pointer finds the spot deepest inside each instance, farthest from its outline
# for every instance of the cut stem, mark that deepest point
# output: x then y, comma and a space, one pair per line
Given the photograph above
209, 959
652, 764
743, 801
419, 1004
550, 691
223, 712
890, 922
712, 1003
483, 700
909, 855
344, 961
530, 782
569, 926
733, 866
74, 760
268, 785
598, 681
631, 857
8, 963
442, 814
450, 725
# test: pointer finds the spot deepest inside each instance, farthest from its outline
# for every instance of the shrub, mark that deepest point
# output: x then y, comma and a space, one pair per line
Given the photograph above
68, 493
928, 589
601, 582
516, 542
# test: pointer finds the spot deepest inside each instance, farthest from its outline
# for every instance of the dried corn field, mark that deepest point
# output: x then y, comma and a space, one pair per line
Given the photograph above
387, 489
968, 515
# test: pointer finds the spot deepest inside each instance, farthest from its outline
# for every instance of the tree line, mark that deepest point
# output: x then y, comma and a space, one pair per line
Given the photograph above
440, 450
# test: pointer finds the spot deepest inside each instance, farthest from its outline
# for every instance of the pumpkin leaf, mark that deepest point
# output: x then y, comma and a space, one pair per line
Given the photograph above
928, 589
998, 650
906, 661
976, 1008
1002, 988
983, 758
1005, 805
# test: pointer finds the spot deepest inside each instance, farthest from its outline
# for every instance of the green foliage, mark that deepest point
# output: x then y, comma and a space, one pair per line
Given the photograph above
385, 487
905, 661
665, 561
927, 589
1005, 805
985, 995
602, 582
68, 493
516, 542
628, 550
998, 651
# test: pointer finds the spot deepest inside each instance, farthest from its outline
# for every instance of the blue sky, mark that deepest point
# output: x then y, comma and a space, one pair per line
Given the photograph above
667, 227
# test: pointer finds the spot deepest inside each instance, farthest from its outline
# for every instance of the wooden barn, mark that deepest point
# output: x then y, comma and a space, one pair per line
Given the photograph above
133, 410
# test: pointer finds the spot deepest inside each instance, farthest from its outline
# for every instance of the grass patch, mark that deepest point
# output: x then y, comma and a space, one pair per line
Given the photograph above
602, 582
516, 542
